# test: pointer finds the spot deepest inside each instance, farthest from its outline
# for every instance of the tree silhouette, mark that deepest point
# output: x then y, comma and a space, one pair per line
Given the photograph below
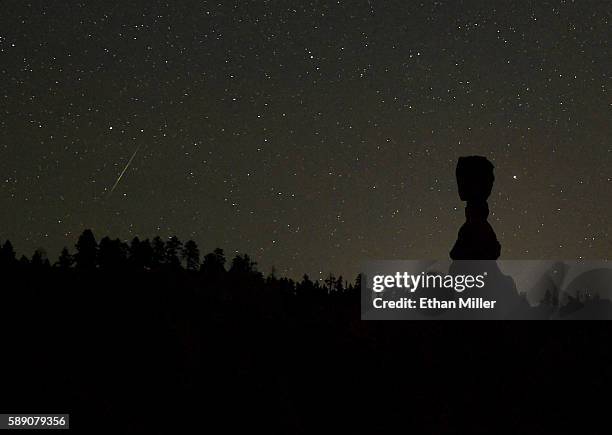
140, 253
213, 265
242, 265
305, 287
339, 286
158, 252
358, 282
65, 260
39, 259
243, 272
191, 255
24, 262
7, 255
330, 282
112, 254
87, 251
173, 249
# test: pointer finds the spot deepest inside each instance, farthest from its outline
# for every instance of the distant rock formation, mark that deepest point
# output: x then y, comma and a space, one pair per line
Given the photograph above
476, 239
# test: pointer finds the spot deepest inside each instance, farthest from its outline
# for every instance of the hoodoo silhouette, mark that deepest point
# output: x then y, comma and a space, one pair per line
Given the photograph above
476, 239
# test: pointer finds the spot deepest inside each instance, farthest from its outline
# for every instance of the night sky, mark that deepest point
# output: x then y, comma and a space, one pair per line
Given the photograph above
310, 135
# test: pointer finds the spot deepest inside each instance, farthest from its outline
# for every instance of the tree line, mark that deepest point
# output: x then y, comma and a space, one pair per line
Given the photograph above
171, 255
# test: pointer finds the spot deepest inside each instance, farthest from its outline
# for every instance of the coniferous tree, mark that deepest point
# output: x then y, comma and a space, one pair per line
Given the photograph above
112, 253
133, 254
272, 278
7, 255
158, 252
39, 259
24, 261
339, 285
65, 260
358, 282
105, 255
213, 265
243, 271
242, 265
87, 251
173, 248
306, 287
191, 255
140, 253
330, 282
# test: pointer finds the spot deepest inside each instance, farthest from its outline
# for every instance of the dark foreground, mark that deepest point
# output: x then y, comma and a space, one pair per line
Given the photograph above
169, 352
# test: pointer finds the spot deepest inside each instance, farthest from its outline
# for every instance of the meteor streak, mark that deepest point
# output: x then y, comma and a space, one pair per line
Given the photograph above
123, 172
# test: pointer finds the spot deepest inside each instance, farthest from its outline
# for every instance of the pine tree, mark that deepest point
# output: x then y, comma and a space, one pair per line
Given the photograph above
339, 286
87, 251
39, 259
191, 255
140, 253
213, 266
65, 260
173, 248
7, 255
159, 252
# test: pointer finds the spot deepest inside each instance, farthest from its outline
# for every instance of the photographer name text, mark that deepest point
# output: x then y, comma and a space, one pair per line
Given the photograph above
410, 283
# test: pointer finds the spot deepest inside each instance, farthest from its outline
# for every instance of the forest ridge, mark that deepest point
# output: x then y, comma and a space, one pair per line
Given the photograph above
115, 255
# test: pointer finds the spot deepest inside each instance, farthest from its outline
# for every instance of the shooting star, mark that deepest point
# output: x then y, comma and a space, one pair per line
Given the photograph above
123, 172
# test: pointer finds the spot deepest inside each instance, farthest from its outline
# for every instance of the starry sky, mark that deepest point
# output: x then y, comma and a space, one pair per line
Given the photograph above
311, 135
